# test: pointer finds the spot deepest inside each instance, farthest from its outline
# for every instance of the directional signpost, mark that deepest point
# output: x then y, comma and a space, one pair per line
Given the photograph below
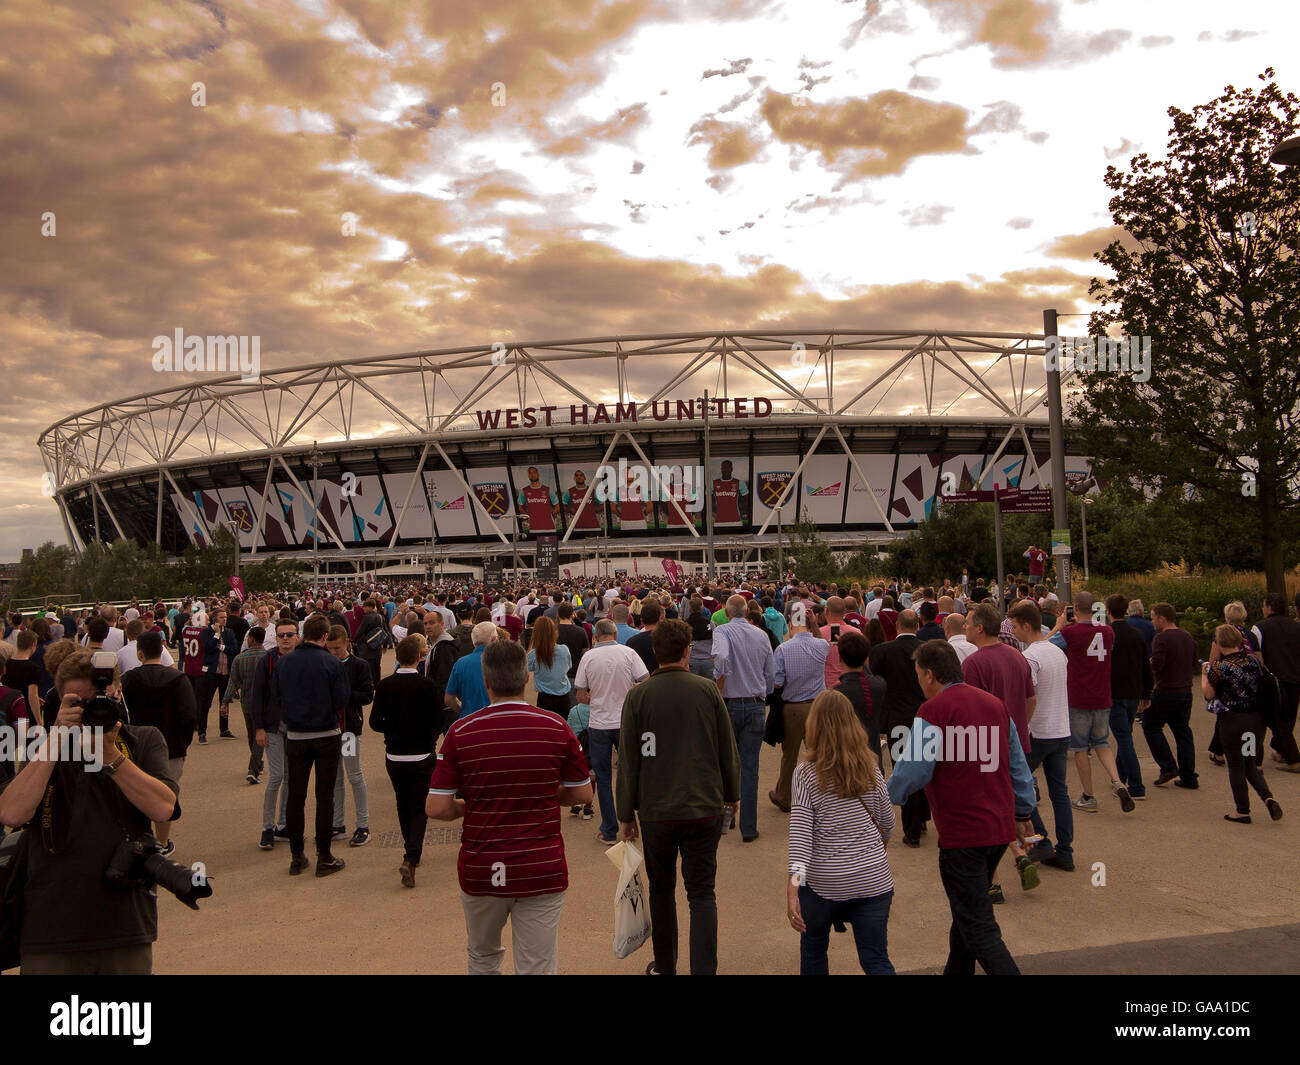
1008, 501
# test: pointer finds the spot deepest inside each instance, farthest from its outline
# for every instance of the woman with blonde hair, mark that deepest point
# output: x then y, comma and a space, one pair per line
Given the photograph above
1234, 614
840, 823
1231, 683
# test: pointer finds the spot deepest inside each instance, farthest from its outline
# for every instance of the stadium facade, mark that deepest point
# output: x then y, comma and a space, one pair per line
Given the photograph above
469, 454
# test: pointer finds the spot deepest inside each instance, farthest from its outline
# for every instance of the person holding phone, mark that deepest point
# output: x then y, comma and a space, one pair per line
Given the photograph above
830, 632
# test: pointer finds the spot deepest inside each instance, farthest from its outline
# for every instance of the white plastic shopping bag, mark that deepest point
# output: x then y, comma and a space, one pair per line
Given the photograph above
631, 900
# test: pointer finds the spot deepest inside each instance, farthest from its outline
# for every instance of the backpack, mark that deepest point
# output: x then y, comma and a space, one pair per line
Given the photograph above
461, 634
1268, 696
378, 639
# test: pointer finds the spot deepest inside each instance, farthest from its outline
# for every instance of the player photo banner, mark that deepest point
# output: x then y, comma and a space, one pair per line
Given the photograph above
729, 492
575, 480
537, 498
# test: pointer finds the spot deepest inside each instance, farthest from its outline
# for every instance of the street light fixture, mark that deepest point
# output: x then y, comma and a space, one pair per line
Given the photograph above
1287, 153
1081, 490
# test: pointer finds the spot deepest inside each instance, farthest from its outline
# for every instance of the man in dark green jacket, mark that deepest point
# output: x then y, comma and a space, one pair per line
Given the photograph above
678, 768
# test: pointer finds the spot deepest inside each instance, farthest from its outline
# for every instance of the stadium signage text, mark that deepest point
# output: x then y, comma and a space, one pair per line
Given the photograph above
610, 413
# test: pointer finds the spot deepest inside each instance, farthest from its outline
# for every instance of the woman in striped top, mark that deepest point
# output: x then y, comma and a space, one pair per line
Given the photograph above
840, 822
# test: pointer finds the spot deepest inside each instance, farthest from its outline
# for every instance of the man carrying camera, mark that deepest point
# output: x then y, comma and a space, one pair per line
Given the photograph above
83, 809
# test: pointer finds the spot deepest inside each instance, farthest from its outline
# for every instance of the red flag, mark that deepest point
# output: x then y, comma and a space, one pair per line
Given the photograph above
237, 586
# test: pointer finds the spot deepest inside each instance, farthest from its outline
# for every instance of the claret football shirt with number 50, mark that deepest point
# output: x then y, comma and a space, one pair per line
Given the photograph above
192, 649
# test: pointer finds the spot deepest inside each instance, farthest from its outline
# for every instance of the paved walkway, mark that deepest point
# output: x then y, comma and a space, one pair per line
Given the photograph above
1168, 888
1272, 951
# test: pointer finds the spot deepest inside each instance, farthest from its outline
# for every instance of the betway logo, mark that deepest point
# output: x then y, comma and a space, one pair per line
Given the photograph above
102, 1018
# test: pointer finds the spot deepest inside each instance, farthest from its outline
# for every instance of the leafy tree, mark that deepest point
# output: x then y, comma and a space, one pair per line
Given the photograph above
44, 572
1214, 282
807, 554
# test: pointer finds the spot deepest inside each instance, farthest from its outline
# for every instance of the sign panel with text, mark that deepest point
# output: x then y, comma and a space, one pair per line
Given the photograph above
548, 559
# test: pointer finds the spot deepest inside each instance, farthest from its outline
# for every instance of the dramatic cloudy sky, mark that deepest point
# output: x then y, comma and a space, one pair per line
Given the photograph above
646, 166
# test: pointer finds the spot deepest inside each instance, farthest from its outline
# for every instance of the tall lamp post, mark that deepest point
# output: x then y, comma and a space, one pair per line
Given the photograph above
704, 494
1056, 427
315, 458
1081, 490
234, 531
780, 548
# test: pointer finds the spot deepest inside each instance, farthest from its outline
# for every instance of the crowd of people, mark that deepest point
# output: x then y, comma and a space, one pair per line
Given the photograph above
649, 706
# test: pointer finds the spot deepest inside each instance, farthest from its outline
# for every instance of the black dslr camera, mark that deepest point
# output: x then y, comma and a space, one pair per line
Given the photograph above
139, 862
101, 710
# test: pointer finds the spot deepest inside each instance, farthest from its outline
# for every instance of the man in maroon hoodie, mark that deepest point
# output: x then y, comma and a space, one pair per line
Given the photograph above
965, 752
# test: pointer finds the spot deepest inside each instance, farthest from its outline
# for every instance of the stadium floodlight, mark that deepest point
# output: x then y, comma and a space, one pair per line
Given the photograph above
1287, 153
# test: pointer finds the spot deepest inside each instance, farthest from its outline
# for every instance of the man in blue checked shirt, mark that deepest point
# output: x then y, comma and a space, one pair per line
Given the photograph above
800, 665
745, 673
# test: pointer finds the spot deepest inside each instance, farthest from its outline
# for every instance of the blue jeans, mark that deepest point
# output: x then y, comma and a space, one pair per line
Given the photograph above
603, 742
276, 788
1122, 714
870, 921
1053, 756
747, 723
702, 667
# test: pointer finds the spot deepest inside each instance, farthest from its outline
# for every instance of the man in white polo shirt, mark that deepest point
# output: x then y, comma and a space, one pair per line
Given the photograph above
606, 673
1049, 732
954, 627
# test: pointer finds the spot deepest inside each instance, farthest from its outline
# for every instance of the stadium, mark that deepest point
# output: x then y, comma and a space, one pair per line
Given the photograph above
457, 457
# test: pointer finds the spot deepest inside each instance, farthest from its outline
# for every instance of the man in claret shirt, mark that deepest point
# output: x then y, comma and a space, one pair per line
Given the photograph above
540, 503
1087, 645
981, 793
192, 654
1037, 562
1002, 671
573, 497
687, 497
727, 491
513, 766
631, 506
